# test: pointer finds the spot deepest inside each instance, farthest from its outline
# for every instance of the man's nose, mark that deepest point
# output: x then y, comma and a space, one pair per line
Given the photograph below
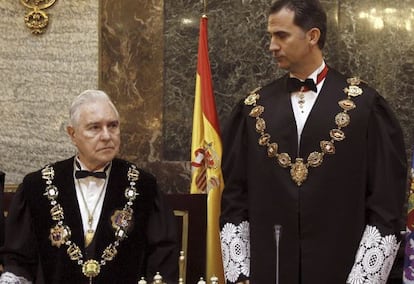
105, 134
273, 45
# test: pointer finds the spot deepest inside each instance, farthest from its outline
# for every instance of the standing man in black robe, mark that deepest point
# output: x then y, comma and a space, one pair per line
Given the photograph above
315, 160
92, 218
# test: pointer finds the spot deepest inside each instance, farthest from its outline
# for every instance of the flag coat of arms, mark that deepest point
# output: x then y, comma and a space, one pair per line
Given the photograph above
206, 152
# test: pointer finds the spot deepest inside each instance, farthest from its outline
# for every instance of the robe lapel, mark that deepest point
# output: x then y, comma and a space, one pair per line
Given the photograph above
114, 200
321, 119
68, 200
280, 120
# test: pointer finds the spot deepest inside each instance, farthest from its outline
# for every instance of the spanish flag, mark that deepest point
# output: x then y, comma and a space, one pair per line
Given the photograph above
408, 272
206, 150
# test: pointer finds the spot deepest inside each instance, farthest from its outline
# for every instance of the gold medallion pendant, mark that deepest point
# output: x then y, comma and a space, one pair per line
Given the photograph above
299, 170
91, 268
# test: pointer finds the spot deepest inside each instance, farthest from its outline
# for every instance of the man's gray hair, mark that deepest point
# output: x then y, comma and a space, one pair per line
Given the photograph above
85, 97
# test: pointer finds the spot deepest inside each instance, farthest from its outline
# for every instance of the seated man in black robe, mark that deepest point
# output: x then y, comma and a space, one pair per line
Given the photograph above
92, 218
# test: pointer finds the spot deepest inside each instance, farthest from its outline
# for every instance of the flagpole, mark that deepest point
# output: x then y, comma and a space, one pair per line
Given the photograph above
205, 7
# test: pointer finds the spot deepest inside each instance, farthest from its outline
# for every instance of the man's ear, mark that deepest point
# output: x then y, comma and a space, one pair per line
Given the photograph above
71, 132
314, 34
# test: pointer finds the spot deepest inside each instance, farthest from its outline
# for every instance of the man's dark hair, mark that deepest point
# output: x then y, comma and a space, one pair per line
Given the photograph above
308, 14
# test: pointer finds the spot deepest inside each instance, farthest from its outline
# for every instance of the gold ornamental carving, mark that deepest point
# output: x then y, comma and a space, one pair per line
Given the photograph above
36, 19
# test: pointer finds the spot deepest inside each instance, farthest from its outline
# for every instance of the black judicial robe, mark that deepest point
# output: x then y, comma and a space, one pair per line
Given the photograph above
322, 220
151, 245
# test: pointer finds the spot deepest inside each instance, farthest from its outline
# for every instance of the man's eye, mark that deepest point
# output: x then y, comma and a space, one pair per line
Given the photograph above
113, 125
94, 127
282, 35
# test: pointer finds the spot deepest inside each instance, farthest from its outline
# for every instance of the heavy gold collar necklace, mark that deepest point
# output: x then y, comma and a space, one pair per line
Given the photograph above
60, 233
299, 169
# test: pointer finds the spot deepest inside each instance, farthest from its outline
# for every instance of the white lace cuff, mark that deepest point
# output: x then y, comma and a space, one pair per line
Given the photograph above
374, 259
235, 246
10, 278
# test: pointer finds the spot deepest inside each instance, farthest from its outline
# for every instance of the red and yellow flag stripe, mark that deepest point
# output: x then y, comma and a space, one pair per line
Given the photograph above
206, 152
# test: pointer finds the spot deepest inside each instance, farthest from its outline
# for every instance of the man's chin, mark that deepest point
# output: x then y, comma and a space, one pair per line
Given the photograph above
282, 65
107, 155
104, 161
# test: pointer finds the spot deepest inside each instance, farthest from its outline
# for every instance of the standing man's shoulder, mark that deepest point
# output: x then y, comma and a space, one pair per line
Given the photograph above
360, 91
274, 87
353, 80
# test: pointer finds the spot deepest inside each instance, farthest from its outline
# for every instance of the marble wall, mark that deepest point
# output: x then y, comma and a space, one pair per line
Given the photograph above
149, 62
39, 77
143, 53
132, 72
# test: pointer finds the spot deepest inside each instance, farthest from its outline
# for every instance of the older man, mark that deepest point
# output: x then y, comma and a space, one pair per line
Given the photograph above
92, 218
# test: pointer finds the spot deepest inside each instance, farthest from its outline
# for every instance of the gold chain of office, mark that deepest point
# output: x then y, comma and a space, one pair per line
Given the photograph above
60, 233
299, 169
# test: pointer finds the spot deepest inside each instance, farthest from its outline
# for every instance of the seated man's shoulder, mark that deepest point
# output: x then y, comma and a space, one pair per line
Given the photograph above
131, 168
48, 170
